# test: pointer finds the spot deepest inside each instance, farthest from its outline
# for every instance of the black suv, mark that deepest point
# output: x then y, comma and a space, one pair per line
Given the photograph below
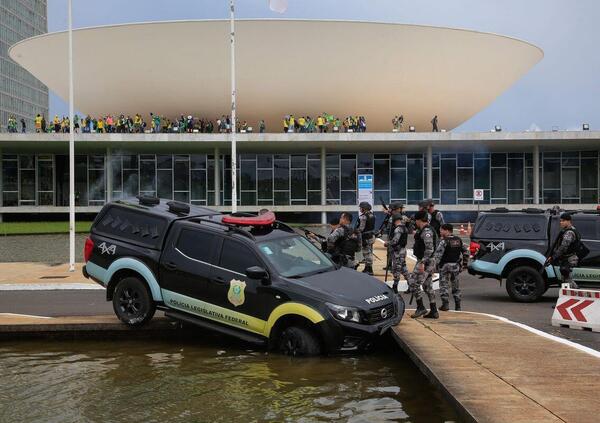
514, 246
243, 275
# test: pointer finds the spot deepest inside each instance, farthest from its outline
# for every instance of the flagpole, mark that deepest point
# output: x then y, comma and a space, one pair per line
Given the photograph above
71, 149
233, 107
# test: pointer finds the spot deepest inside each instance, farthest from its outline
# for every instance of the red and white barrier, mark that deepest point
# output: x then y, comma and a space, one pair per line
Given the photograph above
577, 309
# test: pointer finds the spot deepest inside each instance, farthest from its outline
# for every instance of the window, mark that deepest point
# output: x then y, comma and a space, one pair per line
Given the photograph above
198, 245
237, 257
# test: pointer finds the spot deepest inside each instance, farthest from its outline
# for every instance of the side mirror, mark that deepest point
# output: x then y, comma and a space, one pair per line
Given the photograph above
257, 272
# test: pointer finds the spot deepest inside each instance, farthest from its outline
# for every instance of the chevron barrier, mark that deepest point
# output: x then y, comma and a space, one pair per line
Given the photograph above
577, 309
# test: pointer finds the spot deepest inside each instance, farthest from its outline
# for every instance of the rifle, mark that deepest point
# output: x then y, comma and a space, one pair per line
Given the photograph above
311, 234
386, 219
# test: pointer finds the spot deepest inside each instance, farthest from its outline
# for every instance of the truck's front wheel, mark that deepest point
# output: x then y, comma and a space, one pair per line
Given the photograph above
524, 284
132, 302
299, 341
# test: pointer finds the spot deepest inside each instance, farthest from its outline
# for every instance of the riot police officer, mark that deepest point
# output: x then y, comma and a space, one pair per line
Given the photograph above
397, 249
366, 227
424, 249
436, 218
451, 256
342, 242
565, 249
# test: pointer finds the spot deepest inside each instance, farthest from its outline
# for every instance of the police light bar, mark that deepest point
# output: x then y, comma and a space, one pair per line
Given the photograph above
266, 219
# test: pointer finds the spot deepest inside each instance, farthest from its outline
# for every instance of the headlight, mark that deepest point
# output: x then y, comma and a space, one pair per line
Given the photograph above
349, 314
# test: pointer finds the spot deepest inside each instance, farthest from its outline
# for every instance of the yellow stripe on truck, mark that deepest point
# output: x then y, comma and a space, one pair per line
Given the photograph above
237, 319
295, 309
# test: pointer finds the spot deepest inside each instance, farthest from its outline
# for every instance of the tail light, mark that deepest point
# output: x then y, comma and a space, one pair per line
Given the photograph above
87, 250
474, 247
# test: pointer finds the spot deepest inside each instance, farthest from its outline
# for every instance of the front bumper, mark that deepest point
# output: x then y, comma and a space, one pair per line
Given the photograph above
340, 336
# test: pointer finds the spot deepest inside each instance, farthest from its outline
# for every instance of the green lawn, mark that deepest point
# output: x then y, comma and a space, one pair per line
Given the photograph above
29, 228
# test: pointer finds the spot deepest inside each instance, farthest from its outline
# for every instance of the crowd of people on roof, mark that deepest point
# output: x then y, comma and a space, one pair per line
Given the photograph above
324, 123
126, 124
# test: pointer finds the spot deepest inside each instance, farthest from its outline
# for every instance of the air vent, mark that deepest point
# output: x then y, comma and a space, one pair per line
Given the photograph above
146, 200
178, 207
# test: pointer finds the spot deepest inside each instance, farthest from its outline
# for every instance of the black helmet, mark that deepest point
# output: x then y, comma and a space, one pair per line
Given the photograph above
365, 205
423, 204
395, 206
396, 216
565, 216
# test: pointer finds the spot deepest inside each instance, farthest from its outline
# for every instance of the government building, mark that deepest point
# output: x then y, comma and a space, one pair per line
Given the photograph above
434, 71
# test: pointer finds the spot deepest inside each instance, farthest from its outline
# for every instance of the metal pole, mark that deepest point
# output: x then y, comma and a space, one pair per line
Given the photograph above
323, 185
536, 174
429, 172
71, 150
233, 107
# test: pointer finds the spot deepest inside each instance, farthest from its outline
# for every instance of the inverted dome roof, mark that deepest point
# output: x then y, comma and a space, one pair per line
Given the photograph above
300, 67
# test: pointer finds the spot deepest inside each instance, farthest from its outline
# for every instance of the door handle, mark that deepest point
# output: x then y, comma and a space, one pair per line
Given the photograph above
219, 280
171, 266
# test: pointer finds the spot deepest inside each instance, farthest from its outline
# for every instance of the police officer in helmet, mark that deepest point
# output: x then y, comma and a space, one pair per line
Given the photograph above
565, 249
397, 249
436, 218
366, 226
451, 256
342, 243
424, 249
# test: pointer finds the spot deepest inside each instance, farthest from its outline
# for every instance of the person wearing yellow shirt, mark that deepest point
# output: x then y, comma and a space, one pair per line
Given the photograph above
292, 123
38, 123
302, 123
56, 123
101, 125
285, 124
320, 123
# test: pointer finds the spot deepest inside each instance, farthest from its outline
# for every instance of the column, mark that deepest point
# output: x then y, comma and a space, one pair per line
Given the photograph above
536, 174
429, 173
109, 175
323, 185
217, 177
1, 185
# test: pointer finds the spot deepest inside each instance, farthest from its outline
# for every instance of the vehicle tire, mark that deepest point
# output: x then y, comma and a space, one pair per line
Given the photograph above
132, 302
524, 284
298, 341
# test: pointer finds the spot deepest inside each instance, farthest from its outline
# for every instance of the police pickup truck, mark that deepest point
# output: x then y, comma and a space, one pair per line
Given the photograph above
251, 277
514, 246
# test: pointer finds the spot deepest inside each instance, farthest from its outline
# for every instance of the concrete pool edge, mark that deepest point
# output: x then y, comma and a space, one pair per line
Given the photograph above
492, 370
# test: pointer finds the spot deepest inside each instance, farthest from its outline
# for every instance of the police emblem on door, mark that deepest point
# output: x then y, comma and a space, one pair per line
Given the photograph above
236, 292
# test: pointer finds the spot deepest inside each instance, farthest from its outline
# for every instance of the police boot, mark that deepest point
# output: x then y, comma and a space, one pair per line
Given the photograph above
420, 311
433, 313
445, 305
457, 304
395, 286
368, 270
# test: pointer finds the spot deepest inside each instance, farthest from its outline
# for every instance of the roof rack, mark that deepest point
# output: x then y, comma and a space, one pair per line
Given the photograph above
231, 228
147, 200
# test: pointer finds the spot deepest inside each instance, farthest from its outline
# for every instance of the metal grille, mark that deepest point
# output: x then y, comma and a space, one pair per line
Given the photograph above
374, 315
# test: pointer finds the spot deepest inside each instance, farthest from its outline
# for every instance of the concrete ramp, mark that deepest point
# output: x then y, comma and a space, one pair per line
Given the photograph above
496, 371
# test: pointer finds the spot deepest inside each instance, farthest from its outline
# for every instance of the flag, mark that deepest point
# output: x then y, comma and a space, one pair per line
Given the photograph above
279, 6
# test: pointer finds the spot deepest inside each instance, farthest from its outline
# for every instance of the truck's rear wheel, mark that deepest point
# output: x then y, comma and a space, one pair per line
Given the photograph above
132, 302
299, 341
524, 284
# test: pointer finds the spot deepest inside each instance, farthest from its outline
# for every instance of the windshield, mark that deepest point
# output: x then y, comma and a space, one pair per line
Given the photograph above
295, 257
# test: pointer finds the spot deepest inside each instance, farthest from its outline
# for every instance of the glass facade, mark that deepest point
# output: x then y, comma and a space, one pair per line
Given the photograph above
21, 94
295, 179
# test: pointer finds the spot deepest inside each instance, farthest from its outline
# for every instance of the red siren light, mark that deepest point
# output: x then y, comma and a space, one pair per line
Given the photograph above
266, 219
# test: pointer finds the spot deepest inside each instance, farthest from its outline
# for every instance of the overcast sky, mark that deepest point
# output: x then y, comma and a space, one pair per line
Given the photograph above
563, 90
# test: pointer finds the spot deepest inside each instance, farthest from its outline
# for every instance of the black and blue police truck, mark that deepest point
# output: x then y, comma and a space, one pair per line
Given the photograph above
251, 277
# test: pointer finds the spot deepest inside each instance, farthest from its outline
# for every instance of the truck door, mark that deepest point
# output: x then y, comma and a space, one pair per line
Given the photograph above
588, 269
232, 289
187, 260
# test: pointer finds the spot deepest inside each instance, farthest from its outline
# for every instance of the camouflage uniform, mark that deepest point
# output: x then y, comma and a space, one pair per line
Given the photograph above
450, 271
419, 279
564, 255
398, 252
334, 245
367, 242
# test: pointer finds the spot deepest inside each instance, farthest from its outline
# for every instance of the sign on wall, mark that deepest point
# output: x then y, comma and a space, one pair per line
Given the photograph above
478, 194
365, 188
